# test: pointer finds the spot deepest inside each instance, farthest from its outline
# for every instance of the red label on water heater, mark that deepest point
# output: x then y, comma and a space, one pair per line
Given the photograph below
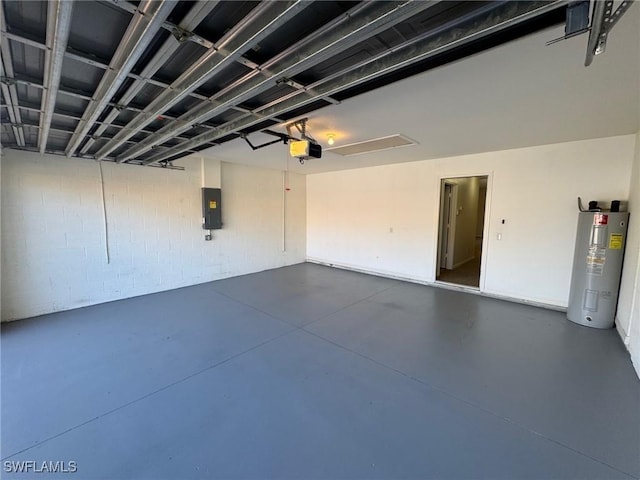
600, 219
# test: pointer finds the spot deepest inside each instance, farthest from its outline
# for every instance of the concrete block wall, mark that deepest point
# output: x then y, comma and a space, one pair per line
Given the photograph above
54, 244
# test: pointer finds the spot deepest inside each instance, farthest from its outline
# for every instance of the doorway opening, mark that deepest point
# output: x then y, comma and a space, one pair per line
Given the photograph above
460, 230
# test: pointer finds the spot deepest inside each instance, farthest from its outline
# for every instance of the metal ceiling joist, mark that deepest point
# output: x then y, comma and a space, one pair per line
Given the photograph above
64, 131
143, 27
257, 25
603, 20
4, 87
351, 28
198, 12
170, 27
84, 96
53, 151
91, 60
58, 26
8, 88
430, 44
186, 34
71, 116
85, 58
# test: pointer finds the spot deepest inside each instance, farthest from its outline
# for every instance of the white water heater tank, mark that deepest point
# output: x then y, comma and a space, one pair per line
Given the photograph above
597, 268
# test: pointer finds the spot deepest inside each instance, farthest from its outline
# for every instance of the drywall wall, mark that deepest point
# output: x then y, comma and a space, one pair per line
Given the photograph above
628, 314
384, 219
466, 219
482, 195
54, 249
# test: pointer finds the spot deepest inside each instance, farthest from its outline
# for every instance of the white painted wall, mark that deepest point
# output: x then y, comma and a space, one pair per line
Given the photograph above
53, 242
384, 219
466, 219
628, 315
482, 194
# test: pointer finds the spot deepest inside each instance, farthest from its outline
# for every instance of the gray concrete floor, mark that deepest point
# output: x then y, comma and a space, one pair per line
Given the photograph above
313, 372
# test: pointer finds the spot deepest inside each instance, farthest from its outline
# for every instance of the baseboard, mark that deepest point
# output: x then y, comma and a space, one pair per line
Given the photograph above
436, 284
623, 334
459, 264
367, 271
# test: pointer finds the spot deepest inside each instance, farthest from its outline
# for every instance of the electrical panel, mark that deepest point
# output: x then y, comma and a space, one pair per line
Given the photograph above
211, 208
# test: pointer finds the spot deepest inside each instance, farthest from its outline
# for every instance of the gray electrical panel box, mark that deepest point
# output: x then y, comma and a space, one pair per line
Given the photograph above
597, 268
211, 208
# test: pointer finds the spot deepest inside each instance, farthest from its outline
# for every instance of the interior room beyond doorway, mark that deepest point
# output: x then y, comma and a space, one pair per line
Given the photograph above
460, 230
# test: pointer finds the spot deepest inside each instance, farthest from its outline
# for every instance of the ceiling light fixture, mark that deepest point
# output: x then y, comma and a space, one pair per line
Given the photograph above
331, 139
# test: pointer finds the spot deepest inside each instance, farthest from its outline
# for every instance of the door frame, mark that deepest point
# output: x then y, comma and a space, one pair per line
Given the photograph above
485, 231
451, 235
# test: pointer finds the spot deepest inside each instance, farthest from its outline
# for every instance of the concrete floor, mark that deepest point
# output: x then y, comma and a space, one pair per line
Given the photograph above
313, 372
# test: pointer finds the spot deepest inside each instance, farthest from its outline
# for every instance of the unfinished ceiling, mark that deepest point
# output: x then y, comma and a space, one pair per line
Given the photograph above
150, 82
523, 93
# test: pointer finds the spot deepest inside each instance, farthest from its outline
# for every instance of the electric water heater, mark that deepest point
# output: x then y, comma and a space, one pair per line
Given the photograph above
597, 268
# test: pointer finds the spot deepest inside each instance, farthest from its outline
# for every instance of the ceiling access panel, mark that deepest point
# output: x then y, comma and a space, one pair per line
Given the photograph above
223, 18
186, 54
541, 22
26, 17
100, 37
28, 61
80, 76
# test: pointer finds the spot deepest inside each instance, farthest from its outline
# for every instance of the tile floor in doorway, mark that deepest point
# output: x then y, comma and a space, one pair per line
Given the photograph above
313, 372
